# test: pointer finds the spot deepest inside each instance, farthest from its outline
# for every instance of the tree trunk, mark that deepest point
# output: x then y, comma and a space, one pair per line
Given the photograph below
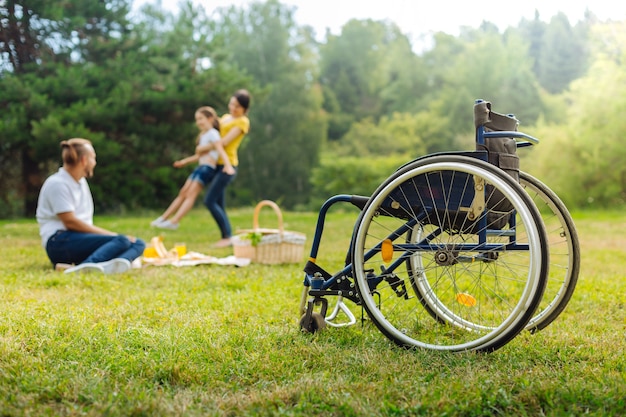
31, 180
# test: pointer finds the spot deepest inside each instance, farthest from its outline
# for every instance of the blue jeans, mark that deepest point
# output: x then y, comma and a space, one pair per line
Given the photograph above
202, 174
75, 247
215, 200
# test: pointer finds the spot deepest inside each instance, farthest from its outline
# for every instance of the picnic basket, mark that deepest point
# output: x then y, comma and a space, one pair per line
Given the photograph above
269, 246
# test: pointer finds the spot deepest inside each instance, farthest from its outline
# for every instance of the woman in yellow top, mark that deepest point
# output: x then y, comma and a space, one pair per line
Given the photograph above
233, 127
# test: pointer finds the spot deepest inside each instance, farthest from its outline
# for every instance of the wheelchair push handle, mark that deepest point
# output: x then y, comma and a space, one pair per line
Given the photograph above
497, 125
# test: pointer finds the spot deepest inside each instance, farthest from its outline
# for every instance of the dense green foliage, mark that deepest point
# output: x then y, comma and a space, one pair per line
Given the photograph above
584, 157
131, 84
132, 91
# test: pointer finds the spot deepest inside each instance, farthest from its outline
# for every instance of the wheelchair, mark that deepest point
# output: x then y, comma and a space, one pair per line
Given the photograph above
455, 251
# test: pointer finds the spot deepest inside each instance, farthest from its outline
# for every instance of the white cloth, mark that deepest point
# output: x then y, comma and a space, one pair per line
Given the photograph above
61, 193
195, 258
209, 158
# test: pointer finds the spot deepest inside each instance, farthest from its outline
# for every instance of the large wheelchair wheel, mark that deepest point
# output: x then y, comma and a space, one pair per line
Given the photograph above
450, 254
564, 252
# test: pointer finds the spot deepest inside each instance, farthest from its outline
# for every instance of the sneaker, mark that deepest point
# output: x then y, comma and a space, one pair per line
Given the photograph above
167, 225
156, 222
86, 267
117, 265
223, 243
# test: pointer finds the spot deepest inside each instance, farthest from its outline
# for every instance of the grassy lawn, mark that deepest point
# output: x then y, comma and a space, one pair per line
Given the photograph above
220, 340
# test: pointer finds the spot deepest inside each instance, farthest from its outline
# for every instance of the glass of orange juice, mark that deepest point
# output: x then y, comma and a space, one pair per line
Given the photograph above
181, 248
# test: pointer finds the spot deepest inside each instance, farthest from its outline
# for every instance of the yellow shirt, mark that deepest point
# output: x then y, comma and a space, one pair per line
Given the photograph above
227, 123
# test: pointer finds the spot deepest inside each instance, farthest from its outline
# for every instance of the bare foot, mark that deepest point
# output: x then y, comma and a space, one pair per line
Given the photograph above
223, 243
62, 267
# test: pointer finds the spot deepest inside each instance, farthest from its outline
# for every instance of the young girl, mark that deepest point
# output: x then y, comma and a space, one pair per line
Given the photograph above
235, 125
209, 125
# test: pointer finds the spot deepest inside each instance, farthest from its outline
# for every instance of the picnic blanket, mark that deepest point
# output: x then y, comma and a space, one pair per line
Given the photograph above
195, 258
159, 255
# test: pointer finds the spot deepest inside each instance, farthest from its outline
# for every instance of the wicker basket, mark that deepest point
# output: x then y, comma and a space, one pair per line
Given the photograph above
269, 246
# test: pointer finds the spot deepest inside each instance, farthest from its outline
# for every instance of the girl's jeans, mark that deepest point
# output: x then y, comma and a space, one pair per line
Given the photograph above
74, 247
215, 200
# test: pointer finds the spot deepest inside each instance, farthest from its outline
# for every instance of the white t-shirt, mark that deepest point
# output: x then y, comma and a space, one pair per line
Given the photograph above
61, 193
209, 158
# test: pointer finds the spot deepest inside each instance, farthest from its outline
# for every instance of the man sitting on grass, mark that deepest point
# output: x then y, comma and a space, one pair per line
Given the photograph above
65, 217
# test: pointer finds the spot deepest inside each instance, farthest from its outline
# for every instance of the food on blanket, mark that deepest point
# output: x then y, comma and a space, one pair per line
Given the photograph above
159, 247
150, 252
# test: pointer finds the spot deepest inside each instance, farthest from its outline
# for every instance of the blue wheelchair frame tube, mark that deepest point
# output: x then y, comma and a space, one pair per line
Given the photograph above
319, 228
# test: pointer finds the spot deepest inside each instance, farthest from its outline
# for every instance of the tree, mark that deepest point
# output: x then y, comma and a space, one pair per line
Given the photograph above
563, 56
482, 64
132, 92
37, 40
287, 125
399, 134
533, 32
590, 170
406, 77
369, 70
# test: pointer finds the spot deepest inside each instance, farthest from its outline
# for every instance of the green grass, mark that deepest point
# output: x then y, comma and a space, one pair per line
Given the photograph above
220, 340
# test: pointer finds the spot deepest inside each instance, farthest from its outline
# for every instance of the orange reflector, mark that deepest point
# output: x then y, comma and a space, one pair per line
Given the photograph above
386, 250
466, 299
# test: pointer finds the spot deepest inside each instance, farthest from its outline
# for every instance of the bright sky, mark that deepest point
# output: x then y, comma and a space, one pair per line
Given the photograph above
423, 17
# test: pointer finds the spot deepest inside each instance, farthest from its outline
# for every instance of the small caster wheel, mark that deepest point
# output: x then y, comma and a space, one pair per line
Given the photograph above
316, 323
